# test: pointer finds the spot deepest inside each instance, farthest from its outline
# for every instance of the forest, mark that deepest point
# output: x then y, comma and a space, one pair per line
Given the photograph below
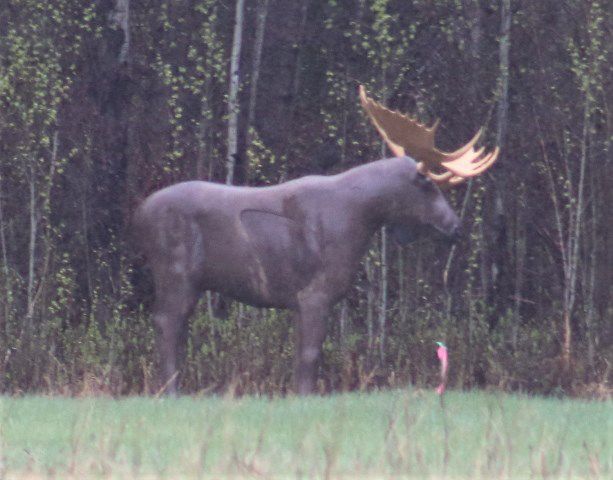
104, 102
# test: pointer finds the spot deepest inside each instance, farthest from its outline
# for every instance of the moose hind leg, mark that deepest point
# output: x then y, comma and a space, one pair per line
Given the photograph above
173, 307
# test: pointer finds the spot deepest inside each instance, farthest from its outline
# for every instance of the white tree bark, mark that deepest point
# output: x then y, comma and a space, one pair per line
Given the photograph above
38, 210
383, 298
590, 283
370, 300
32, 243
383, 250
569, 231
233, 107
574, 239
120, 16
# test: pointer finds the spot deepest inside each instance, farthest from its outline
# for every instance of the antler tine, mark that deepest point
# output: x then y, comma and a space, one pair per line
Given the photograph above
487, 162
406, 135
453, 177
462, 150
439, 178
455, 181
465, 164
473, 163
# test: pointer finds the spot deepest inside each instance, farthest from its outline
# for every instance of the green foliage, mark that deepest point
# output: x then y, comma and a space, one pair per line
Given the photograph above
264, 167
201, 73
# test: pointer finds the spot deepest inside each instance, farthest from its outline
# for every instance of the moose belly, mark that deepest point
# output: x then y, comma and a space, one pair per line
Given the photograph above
261, 281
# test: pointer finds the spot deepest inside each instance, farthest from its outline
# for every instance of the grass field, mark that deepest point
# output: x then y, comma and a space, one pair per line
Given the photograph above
377, 435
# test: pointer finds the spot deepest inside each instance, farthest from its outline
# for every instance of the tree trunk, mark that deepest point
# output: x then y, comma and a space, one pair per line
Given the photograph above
8, 294
32, 243
370, 300
383, 293
402, 294
383, 251
505, 44
298, 60
342, 333
574, 240
258, 46
203, 140
474, 18
121, 17
497, 270
520, 255
233, 106
294, 87
589, 295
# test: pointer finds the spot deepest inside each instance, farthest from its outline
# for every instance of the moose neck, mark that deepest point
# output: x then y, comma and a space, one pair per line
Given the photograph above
377, 187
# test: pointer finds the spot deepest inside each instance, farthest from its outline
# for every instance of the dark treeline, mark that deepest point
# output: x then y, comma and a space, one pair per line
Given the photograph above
103, 102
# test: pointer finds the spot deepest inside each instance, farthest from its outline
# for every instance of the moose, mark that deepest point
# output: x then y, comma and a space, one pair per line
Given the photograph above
296, 245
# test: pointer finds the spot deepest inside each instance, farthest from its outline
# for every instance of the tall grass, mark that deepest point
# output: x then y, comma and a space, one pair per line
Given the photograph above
377, 434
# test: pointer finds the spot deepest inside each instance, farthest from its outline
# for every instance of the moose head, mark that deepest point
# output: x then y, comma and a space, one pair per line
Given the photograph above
406, 136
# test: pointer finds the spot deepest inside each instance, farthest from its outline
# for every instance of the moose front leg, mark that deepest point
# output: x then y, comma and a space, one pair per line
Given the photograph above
173, 306
310, 324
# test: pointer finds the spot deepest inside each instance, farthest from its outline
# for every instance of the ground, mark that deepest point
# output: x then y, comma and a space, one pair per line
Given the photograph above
406, 433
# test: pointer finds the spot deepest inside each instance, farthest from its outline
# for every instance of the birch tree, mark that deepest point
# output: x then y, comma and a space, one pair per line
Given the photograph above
233, 103
120, 17
569, 198
386, 49
500, 233
258, 46
34, 88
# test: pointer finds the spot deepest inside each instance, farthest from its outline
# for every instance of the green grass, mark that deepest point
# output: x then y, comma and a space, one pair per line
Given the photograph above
371, 435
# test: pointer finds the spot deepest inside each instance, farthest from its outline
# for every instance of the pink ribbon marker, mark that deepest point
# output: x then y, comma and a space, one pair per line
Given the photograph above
441, 351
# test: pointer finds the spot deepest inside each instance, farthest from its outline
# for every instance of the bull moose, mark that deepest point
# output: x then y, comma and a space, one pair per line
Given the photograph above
296, 245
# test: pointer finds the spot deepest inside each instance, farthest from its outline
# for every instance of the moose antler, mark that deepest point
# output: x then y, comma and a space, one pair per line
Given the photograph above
405, 135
